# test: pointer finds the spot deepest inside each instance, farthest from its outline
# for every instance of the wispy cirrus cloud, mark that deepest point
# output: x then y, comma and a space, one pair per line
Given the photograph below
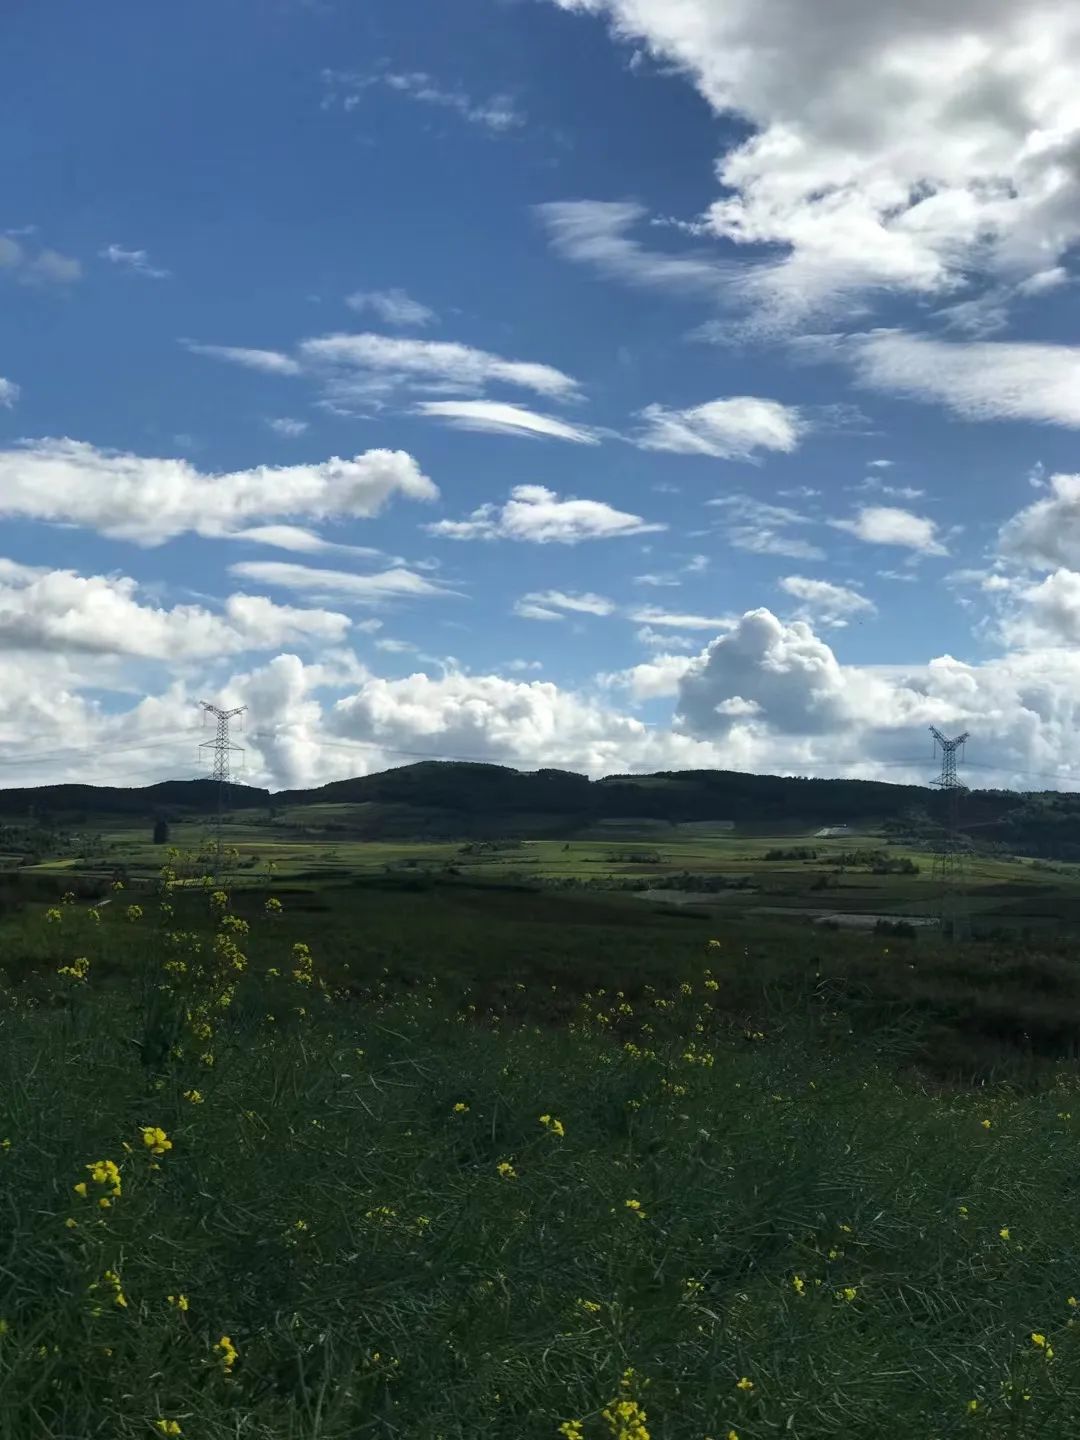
499, 114
978, 380
596, 233
269, 362
557, 604
736, 428
137, 261
377, 588
496, 417
393, 307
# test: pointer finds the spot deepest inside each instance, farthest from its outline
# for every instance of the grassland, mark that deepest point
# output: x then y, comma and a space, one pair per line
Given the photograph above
793, 1181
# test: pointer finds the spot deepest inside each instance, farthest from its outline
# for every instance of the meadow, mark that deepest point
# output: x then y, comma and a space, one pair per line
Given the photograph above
418, 1156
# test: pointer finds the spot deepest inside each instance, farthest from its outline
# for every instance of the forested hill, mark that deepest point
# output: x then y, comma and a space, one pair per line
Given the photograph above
448, 795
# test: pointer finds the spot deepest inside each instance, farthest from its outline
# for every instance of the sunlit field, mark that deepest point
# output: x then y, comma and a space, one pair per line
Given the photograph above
274, 1172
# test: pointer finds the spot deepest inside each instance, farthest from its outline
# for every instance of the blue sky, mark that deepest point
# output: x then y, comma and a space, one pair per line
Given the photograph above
703, 399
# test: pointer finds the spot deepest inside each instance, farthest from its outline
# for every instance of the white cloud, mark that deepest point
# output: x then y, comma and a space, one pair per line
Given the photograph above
302, 541
499, 418
653, 679
594, 232
888, 525
828, 603
498, 115
664, 640
290, 429
653, 615
46, 267
900, 147
150, 500
762, 529
520, 667
556, 604
59, 610
982, 380
9, 393
1046, 534
732, 429
1044, 615
395, 647
393, 307
386, 585
537, 514
137, 261
269, 362
368, 365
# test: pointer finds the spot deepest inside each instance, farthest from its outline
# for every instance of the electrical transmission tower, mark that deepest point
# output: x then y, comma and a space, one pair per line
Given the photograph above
222, 750
949, 857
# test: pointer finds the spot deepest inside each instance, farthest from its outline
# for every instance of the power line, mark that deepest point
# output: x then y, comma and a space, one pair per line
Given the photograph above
222, 750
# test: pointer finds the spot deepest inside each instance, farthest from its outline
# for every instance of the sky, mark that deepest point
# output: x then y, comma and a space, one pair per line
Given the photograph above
613, 385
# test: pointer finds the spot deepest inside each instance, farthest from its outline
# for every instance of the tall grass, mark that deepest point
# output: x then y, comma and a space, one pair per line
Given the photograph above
772, 1232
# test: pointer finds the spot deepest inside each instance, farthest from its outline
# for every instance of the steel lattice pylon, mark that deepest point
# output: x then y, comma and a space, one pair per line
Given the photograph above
950, 854
223, 750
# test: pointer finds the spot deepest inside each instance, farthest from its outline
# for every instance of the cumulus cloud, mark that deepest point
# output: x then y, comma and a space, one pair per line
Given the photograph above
1046, 534
392, 307
980, 380
150, 500
732, 429
374, 589
9, 393
537, 514
499, 418
887, 525
556, 604
137, 261
889, 147
821, 600
655, 679
41, 267
1044, 615
62, 611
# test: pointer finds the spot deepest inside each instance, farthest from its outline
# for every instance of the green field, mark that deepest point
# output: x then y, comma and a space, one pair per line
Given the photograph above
807, 1183
793, 1180
725, 868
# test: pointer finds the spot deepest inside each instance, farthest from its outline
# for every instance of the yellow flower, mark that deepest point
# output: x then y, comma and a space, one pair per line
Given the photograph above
506, 1170
1072, 1300
168, 1427
847, 1294
798, 1284
229, 1353
80, 1188
1039, 1341
555, 1127
732, 1435
571, 1430
589, 1306
134, 912
155, 1139
635, 1206
744, 1384
985, 1124
5, 1144
1004, 1233
460, 1108
195, 1096
178, 1302
972, 1406
71, 1224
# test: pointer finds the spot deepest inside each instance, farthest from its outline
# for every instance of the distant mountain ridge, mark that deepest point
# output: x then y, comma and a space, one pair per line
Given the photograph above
454, 793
